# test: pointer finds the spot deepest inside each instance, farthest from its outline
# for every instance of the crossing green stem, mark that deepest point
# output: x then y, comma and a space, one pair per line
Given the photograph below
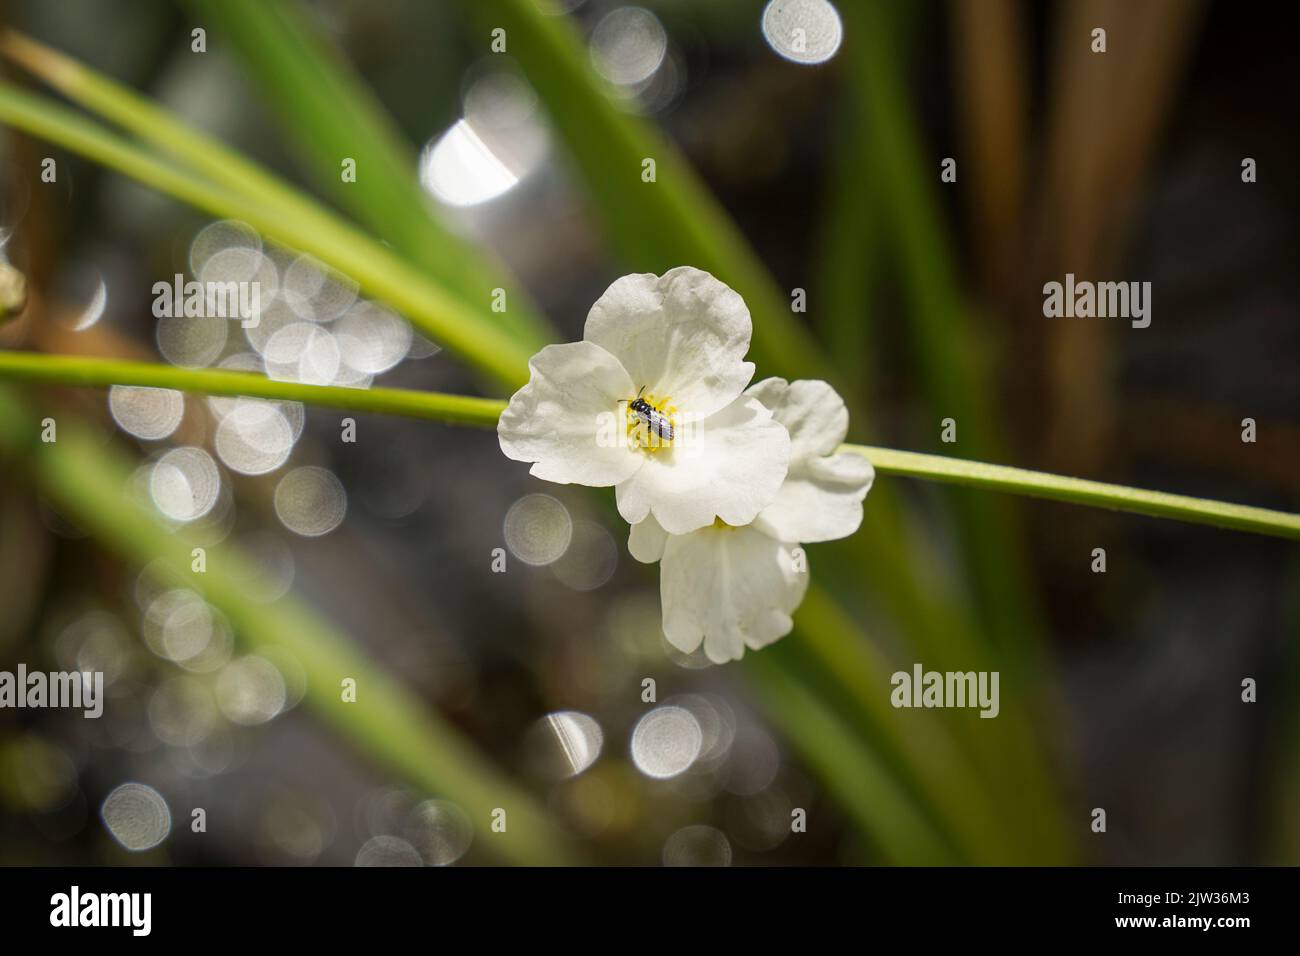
99, 372
484, 412
1079, 491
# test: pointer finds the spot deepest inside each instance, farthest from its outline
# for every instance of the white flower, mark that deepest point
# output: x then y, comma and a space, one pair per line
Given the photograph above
678, 342
737, 587
821, 497
727, 587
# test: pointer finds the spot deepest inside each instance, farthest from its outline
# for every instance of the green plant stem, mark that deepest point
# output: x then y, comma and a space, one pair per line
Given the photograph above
98, 372
484, 412
379, 271
1080, 491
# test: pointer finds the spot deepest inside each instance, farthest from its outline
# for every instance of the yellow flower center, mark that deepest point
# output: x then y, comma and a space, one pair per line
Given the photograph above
640, 432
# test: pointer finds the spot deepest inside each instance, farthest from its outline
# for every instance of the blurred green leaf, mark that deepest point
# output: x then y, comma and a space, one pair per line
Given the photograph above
852, 770
89, 483
951, 352
329, 113
953, 355
380, 271
655, 226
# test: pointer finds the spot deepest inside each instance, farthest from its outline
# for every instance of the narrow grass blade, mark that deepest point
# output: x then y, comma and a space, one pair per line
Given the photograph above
670, 222
855, 773
380, 272
328, 112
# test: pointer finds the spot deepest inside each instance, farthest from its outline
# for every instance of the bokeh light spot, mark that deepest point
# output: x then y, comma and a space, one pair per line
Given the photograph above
184, 483
440, 831
805, 31
388, 851
250, 690
310, 501
628, 45
538, 529
137, 816
697, 845
147, 413
666, 741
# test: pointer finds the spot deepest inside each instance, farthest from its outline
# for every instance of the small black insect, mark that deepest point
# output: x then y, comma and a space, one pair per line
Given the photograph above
654, 419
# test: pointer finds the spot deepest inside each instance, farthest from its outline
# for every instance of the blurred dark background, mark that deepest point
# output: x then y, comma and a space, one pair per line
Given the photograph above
1121, 166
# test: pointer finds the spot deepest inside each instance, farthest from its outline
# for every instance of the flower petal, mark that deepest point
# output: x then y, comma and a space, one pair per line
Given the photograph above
567, 418
730, 588
683, 336
810, 409
821, 499
646, 541
728, 466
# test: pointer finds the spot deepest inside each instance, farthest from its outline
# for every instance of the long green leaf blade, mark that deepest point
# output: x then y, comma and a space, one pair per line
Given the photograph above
671, 222
329, 114
380, 272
